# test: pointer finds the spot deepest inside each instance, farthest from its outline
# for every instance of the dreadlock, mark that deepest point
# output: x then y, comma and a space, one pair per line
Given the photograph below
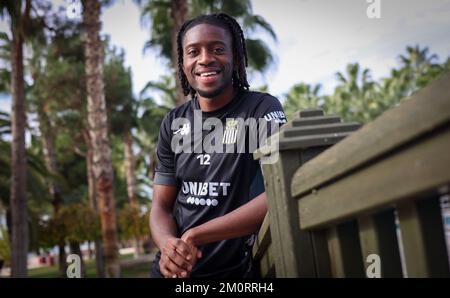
239, 48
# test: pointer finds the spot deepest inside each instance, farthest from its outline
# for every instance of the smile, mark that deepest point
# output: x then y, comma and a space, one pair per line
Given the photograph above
207, 77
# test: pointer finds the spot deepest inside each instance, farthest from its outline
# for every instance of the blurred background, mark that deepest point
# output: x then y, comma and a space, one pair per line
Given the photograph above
353, 58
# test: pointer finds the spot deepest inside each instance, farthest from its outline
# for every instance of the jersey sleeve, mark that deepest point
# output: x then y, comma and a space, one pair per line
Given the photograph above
165, 157
271, 113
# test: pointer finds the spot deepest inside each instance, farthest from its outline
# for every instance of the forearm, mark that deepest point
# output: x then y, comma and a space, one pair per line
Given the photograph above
162, 225
240, 222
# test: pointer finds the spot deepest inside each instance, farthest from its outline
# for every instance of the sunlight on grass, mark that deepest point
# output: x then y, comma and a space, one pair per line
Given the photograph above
137, 270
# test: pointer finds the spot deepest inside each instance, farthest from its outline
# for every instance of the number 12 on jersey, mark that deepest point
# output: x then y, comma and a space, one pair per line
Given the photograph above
204, 159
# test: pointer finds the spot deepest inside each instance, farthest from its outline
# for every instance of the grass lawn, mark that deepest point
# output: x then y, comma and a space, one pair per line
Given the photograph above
136, 270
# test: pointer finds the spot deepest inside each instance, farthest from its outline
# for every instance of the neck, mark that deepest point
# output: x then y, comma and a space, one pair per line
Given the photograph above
217, 102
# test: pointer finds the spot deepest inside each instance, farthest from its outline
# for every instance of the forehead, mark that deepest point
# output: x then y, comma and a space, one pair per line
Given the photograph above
206, 33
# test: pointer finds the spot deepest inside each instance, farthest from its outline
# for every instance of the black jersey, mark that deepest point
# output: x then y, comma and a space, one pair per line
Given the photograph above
213, 183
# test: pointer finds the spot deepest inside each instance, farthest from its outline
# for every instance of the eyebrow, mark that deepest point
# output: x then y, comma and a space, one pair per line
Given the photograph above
211, 42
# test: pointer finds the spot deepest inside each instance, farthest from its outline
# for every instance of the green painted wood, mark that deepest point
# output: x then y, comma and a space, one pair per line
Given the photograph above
311, 112
270, 174
296, 143
388, 244
378, 236
335, 253
315, 120
423, 238
420, 167
424, 112
296, 245
320, 129
267, 267
350, 246
434, 235
263, 240
321, 254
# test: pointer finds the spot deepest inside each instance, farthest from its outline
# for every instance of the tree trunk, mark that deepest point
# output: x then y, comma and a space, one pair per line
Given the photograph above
99, 255
131, 180
130, 163
98, 130
75, 249
48, 145
19, 212
178, 12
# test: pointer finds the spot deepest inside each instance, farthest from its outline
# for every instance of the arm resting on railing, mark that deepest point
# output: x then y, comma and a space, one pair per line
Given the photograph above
240, 222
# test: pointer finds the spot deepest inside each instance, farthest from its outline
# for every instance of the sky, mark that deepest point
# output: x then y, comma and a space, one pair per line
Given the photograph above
316, 38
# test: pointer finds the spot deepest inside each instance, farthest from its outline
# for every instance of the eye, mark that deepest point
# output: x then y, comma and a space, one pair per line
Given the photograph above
219, 50
191, 52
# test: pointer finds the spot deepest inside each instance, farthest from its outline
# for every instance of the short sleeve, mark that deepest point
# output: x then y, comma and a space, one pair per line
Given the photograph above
165, 157
270, 114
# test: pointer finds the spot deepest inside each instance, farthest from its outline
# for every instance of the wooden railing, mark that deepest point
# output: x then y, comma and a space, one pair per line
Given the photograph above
337, 197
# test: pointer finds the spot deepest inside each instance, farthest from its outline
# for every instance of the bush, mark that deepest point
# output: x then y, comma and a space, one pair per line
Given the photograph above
5, 247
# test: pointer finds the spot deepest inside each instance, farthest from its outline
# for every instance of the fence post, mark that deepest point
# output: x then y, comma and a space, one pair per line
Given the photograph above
295, 252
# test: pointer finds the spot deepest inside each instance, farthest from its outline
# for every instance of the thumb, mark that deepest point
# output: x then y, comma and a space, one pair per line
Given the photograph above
199, 254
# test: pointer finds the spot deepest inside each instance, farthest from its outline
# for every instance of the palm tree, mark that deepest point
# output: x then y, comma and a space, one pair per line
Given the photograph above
302, 96
48, 131
166, 16
98, 131
419, 67
356, 97
19, 21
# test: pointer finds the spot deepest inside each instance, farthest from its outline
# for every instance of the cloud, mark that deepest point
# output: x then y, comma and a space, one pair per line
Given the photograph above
319, 38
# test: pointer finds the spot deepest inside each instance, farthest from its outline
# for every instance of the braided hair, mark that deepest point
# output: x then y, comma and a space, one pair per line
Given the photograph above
239, 48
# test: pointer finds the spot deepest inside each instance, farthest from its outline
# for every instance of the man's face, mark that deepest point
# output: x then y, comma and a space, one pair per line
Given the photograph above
208, 59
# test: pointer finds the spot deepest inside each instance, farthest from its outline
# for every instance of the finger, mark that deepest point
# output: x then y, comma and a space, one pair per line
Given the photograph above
172, 269
183, 248
175, 271
178, 259
164, 271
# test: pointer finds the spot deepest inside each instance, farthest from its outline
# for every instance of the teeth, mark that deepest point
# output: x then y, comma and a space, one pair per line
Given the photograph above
207, 74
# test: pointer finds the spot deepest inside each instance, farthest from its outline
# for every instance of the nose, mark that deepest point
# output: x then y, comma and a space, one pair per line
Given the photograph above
205, 57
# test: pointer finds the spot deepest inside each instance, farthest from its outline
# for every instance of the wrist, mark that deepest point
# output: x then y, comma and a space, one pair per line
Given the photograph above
190, 237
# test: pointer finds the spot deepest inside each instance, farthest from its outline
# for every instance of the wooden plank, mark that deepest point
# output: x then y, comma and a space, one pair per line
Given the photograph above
315, 120
345, 251
378, 236
352, 259
270, 174
312, 112
296, 143
434, 235
267, 266
296, 246
413, 240
423, 238
336, 259
386, 228
263, 239
321, 254
369, 239
320, 129
425, 111
419, 168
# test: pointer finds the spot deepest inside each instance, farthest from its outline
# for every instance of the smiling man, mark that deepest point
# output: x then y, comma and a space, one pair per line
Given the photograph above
208, 206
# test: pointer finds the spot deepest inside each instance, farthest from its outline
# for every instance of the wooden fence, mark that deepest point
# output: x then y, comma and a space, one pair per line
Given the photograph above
339, 195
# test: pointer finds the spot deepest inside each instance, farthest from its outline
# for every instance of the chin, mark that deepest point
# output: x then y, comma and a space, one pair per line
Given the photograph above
210, 94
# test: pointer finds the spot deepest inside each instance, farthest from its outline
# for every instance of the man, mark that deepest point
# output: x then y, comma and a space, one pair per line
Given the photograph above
207, 206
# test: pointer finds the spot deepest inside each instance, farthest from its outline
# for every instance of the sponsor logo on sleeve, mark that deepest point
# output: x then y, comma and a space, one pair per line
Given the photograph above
277, 116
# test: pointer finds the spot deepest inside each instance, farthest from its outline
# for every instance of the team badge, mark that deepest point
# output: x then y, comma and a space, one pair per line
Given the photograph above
231, 131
